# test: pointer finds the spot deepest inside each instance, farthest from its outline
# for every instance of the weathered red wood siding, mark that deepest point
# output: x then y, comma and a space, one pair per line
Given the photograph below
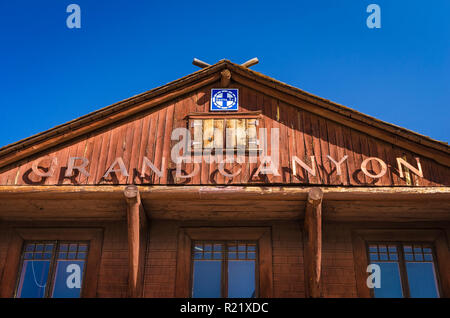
302, 134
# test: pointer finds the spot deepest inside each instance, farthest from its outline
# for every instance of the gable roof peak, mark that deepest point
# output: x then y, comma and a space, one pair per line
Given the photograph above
246, 64
404, 138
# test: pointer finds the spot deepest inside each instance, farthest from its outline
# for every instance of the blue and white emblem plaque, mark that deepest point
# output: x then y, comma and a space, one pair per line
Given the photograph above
224, 99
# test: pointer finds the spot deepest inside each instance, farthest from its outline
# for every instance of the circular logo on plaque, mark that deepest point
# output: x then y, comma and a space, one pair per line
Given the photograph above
224, 99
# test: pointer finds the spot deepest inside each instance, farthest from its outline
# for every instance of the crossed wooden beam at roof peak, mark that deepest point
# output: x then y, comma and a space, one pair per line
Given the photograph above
247, 64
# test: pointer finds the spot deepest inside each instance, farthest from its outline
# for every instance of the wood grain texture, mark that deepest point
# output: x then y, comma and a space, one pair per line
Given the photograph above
301, 133
313, 242
137, 241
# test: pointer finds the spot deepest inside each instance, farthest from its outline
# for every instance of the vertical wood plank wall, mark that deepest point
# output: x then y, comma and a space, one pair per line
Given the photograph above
160, 268
338, 272
302, 134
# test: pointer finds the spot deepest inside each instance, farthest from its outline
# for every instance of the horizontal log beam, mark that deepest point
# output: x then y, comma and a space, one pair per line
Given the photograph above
227, 192
217, 203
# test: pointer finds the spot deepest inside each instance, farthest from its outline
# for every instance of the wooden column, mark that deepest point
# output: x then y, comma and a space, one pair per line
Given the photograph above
137, 241
313, 242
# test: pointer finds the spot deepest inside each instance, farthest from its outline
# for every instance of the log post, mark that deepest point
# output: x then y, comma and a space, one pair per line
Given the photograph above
137, 241
225, 78
313, 242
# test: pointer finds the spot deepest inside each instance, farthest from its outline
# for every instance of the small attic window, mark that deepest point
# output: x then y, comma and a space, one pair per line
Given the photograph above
224, 131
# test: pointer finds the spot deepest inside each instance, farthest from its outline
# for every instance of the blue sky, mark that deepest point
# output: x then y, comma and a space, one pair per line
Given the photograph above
51, 74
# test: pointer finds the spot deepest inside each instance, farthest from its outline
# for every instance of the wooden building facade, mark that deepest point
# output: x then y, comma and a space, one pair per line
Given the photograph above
329, 192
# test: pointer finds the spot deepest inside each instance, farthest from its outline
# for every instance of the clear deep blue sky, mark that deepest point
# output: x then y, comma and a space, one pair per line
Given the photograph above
51, 74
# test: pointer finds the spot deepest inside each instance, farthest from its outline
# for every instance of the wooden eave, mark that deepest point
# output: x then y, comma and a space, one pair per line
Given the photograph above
229, 193
225, 204
401, 137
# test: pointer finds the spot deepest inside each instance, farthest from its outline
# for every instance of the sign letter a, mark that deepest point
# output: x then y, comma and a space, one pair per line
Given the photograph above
73, 20
374, 20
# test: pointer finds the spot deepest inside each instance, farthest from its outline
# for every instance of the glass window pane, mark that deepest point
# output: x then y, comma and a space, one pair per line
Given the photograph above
71, 255
28, 256
198, 255
68, 278
241, 279
33, 279
391, 286
393, 257
82, 255
422, 280
207, 279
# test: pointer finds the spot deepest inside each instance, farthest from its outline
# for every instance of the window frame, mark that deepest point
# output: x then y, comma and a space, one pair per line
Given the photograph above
437, 238
21, 235
402, 263
261, 235
224, 264
190, 118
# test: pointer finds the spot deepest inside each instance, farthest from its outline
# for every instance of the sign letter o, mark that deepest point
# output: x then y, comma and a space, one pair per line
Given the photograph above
367, 173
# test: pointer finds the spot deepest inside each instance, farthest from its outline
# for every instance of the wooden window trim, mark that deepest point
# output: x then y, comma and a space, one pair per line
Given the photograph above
436, 237
20, 235
190, 118
225, 115
262, 235
225, 261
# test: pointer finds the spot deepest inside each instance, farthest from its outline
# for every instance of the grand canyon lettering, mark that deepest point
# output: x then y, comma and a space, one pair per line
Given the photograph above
267, 161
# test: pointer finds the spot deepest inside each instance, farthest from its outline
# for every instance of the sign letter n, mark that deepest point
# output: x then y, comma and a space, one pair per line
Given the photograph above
74, 19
